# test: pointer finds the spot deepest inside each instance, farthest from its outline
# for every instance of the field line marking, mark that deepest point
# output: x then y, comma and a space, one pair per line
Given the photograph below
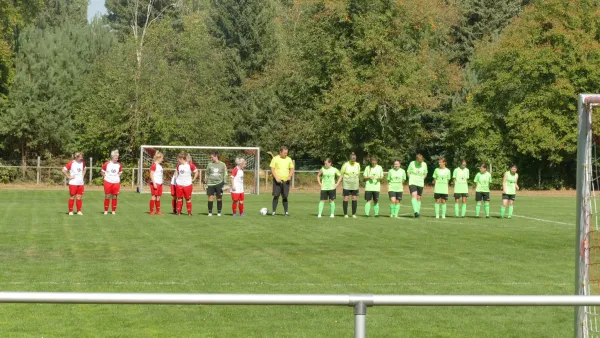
526, 217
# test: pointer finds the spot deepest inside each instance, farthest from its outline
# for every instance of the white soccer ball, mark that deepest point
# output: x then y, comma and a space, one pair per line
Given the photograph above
264, 211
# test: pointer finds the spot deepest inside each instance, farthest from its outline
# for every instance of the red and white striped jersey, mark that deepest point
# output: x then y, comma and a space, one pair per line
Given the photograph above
112, 172
75, 169
158, 173
238, 180
184, 174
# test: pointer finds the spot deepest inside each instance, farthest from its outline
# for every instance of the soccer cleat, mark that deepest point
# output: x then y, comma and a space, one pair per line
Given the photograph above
443, 217
391, 216
114, 212
509, 217
376, 216
243, 215
151, 213
487, 216
106, 212
417, 215
189, 214
209, 214
80, 213
286, 214
175, 212
273, 213
235, 215
345, 216
332, 216
437, 216
318, 216
354, 216
219, 214
70, 213
159, 213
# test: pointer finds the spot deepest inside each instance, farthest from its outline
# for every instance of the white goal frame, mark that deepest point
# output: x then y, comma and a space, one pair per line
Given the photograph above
587, 260
255, 171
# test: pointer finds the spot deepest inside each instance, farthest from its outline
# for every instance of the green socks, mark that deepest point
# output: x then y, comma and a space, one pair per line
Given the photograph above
415, 204
367, 208
444, 210
456, 209
392, 209
487, 209
464, 209
376, 209
510, 211
321, 204
419, 206
477, 209
332, 208
502, 211
437, 210
397, 211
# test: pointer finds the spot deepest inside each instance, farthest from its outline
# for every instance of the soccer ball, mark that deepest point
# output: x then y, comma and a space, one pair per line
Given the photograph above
264, 211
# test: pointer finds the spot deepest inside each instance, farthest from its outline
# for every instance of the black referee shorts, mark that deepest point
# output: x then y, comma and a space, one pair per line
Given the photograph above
281, 189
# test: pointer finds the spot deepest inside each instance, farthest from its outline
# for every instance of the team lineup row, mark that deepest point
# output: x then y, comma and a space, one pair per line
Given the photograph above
329, 178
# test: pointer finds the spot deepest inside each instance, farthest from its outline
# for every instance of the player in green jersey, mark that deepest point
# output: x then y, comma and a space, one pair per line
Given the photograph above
350, 184
482, 190
461, 188
396, 177
373, 175
326, 179
215, 181
417, 171
441, 178
510, 185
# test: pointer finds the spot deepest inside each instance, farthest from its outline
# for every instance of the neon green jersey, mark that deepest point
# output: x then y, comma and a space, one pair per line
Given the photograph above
461, 185
328, 178
395, 178
350, 173
373, 184
511, 183
483, 181
417, 173
442, 178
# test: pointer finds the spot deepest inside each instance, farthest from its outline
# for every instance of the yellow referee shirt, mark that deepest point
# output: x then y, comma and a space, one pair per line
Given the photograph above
282, 167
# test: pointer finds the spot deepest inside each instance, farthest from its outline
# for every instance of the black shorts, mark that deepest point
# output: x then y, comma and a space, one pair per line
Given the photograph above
216, 189
327, 195
457, 196
482, 196
347, 192
509, 197
395, 194
440, 196
413, 188
281, 189
372, 195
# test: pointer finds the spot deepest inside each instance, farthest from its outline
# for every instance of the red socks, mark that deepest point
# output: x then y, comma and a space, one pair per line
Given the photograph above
106, 203
79, 204
241, 208
151, 206
157, 203
174, 204
179, 206
188, 206
114, 204
71, 204
234, 207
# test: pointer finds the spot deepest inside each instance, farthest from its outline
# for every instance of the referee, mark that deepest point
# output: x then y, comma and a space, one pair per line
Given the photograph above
282, 169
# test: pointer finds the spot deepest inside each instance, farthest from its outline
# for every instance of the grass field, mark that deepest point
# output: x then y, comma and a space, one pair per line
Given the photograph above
43, 249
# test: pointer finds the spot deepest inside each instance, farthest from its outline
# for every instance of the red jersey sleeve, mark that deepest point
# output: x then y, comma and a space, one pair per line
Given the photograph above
234, 172
104, 166
153, 167
68, 166
83, 162
193, 167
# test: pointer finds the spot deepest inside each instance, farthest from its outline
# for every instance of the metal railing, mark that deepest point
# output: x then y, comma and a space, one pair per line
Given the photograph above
359, 302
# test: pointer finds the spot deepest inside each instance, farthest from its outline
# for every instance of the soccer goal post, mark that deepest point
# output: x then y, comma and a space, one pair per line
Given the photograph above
587, 274
200, 158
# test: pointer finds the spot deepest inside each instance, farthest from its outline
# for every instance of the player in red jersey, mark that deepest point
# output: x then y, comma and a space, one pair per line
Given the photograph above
156, 183
237, 187
111, 171
185, 182
74, 171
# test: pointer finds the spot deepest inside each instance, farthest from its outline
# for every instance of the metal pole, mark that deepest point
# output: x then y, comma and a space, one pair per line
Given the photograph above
257, 175
91, 167
360, 320
38, 170
141, 175
132, 177
294, 176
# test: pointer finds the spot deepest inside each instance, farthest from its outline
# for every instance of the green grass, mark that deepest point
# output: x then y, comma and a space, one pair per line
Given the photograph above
43, 249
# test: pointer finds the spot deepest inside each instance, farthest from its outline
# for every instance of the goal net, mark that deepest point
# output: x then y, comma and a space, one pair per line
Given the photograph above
587, 318
200, 158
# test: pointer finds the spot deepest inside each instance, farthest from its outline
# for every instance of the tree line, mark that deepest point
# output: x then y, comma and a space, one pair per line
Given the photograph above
491, 81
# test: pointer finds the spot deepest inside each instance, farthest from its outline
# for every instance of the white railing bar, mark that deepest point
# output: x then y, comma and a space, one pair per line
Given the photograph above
295, 299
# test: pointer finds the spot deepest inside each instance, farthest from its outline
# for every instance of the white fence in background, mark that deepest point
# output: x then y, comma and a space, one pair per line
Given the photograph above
358, 302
